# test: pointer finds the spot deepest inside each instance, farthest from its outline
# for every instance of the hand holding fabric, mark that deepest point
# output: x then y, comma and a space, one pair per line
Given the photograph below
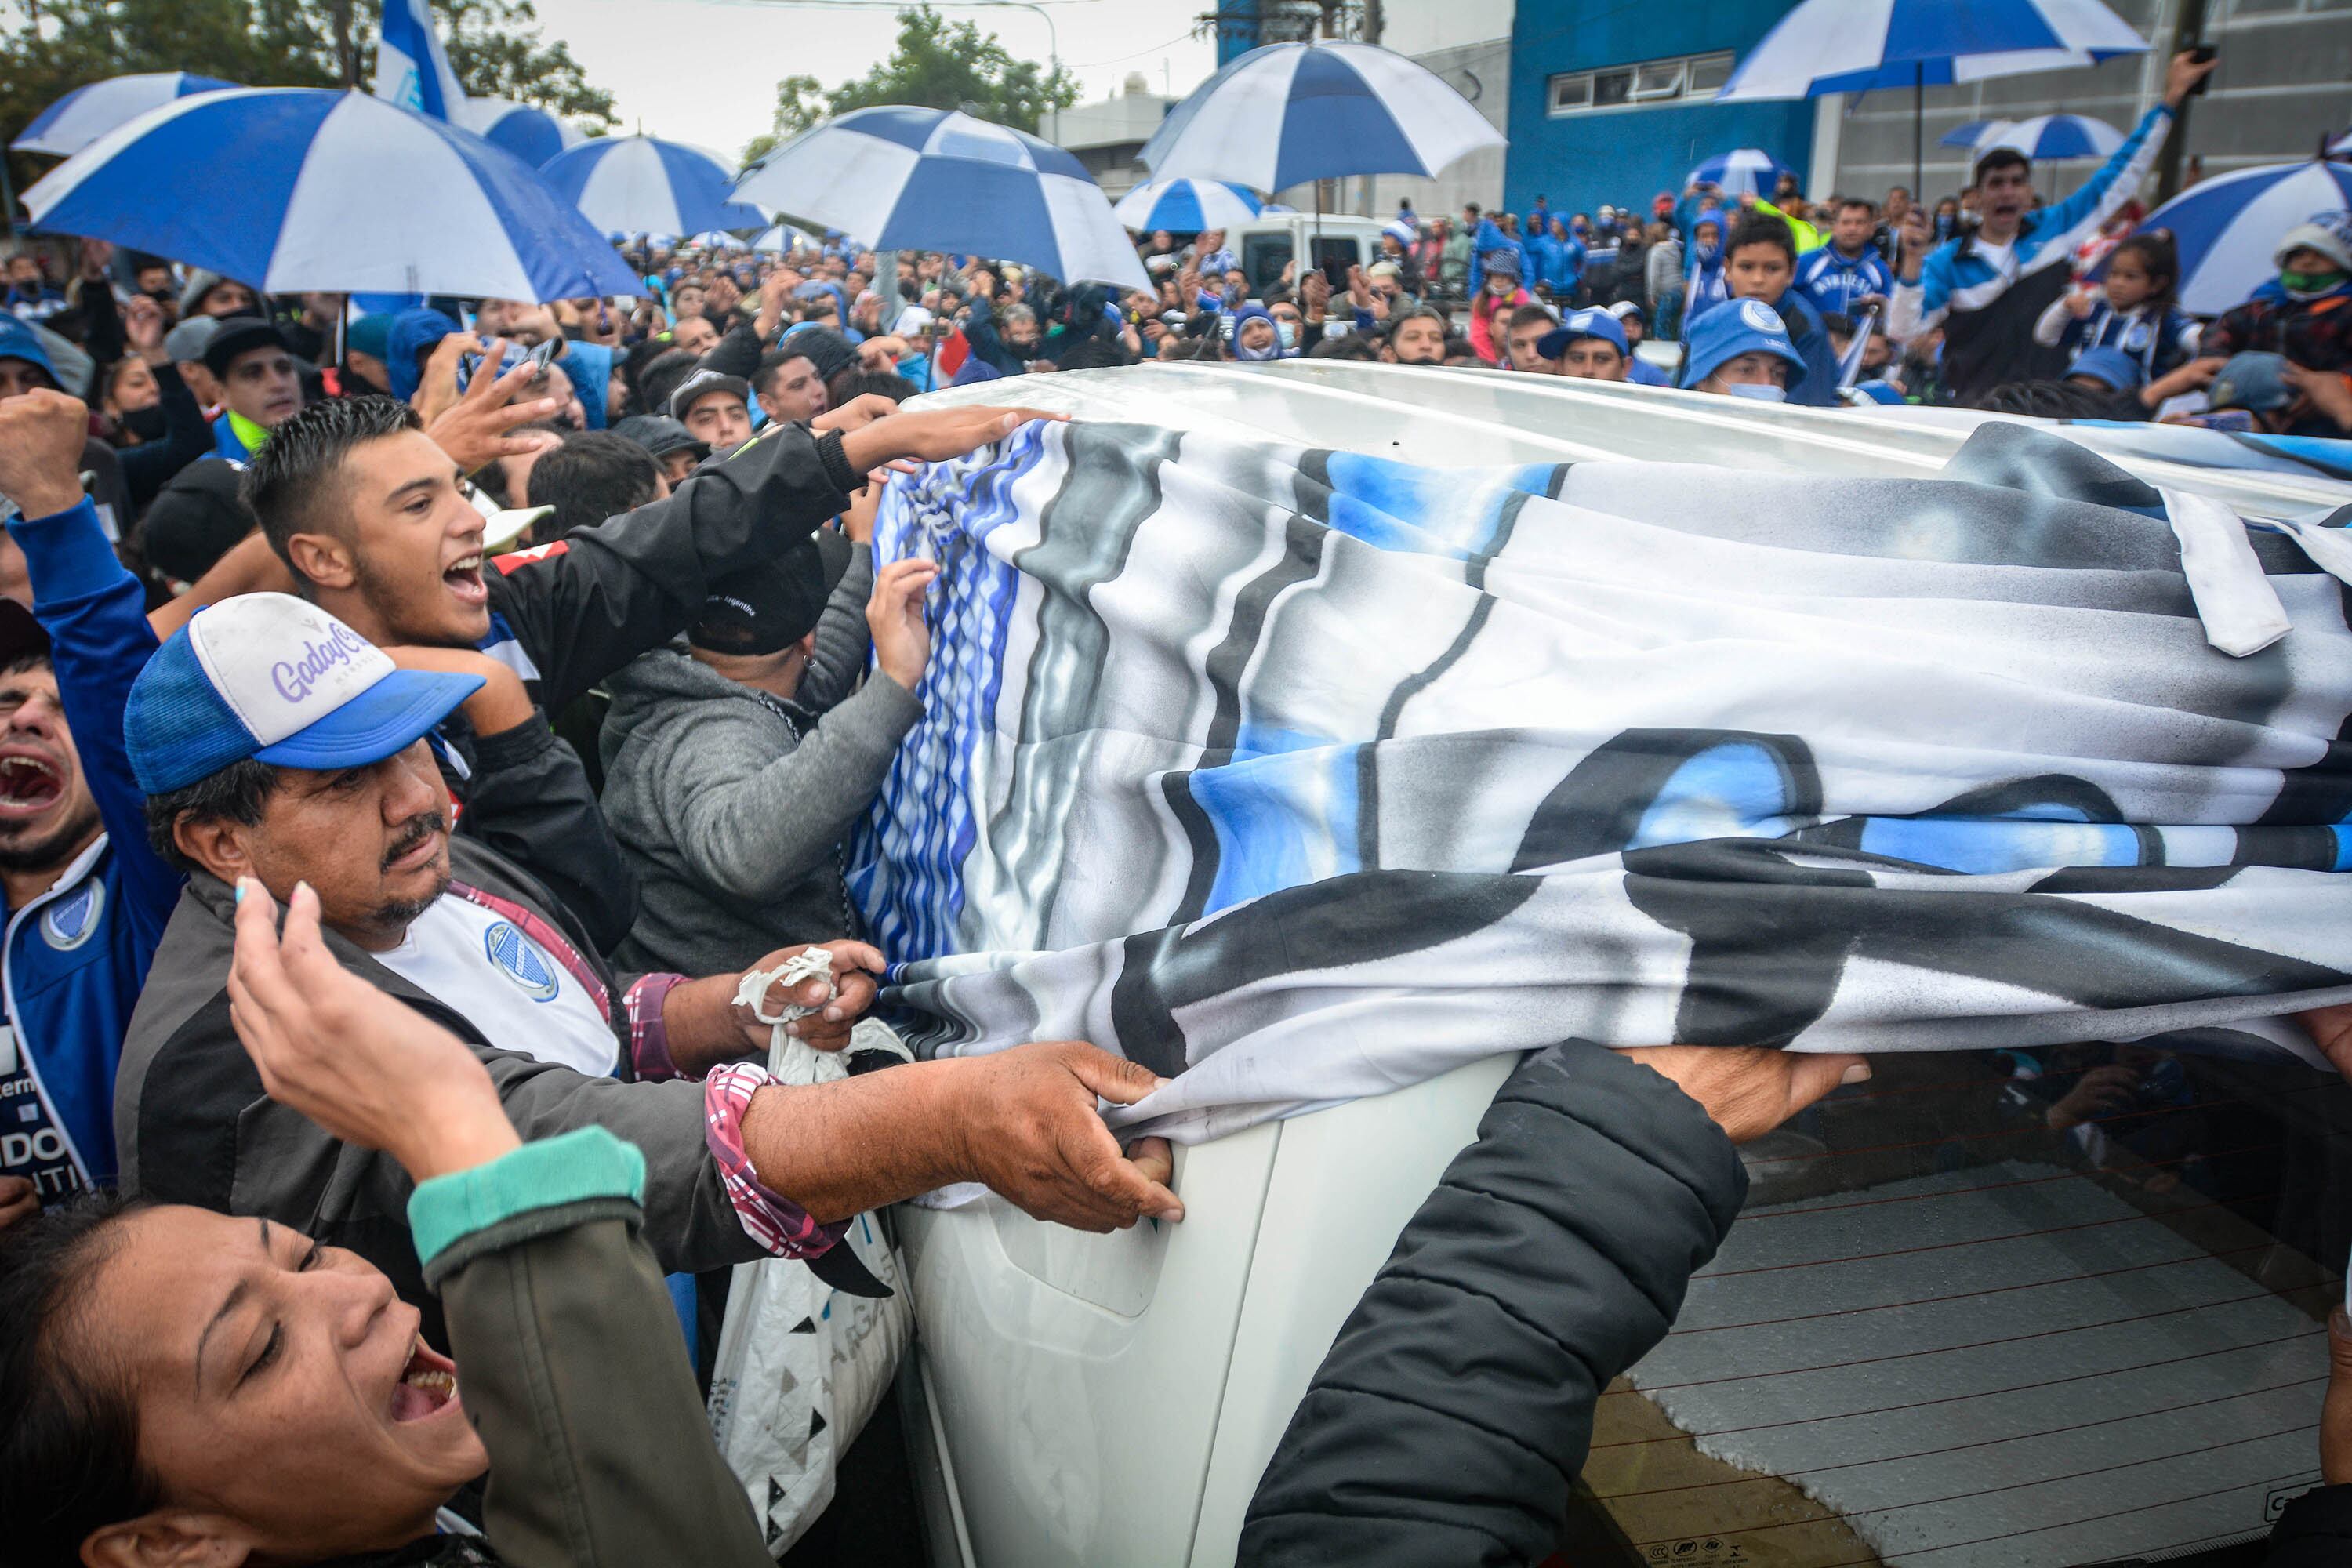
1749, 1090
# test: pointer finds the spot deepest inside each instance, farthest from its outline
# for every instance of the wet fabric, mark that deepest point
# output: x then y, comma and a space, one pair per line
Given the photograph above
1301, 775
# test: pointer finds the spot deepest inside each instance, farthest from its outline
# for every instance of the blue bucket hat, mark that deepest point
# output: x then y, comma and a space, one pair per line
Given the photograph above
2110, 367
1588, 324
2252, 381
18, 340
1732, 328
278, 680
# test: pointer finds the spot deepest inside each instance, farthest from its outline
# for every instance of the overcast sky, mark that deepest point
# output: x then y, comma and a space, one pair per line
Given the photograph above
706, 70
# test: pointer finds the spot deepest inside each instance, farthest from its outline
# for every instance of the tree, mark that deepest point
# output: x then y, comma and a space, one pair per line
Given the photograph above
49, 47
936, 64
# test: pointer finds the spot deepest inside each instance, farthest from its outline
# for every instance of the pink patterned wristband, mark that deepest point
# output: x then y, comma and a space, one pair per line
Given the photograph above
648, 1034
772, 1220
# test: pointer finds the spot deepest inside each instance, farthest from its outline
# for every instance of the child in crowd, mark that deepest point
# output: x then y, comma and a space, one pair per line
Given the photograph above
1742, 349
2137, 311
1760, 265
1705, 287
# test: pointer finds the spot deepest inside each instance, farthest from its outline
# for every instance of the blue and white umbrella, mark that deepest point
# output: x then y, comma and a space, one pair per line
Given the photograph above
87, 113
782, 240
2341, 145
300, 188
525, 129
1744, 170
935, 179
1860, 46
717, 239
1286, 113
1186, 206
1969, 133
641, 183
2053, 138
2227, 227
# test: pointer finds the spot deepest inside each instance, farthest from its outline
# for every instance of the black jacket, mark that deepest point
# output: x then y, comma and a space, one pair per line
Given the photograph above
567, 615
1455, 1407
2315, 1531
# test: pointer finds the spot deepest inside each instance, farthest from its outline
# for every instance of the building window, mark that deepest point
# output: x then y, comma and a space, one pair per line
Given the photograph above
1645, 84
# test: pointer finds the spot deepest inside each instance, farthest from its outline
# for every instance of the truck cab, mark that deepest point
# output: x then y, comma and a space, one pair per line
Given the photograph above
1952, 1330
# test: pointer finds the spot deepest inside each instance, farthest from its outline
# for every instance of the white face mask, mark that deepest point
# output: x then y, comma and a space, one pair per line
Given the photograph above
1286, 334
1762, 392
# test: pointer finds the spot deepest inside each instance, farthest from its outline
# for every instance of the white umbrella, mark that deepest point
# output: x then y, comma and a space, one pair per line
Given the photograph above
782, 240
87, 113
641, 182
525, 129
935, 179
1287, 113
1861, 46
293, 188
2226, 229
2053, 138
1186, 206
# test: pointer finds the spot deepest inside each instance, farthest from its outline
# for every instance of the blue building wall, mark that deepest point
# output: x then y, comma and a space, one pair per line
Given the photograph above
1627, 155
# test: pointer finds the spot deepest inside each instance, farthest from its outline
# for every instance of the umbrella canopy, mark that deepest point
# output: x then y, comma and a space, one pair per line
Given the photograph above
2228, 227
1287, 113
782, 240
528, 131
2053, 138
2341, 144
1970, 132
300, 188
1744, 170
717, 239
1856, 46
1186, 206
87, 113
935, 179
641, 182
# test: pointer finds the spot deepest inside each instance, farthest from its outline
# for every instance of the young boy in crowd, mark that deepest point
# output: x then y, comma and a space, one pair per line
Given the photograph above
1590, 345
1742, 349
1760, 265
738, 757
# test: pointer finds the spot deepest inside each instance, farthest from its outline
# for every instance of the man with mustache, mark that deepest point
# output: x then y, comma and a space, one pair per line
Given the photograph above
275, 743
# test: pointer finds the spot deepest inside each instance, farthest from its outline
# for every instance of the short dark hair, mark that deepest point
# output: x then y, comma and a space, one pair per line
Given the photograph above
239, 793
1869, 208
1837, 324
1761, 228
763, 378
1527, 316
592, 476
854, 380
2002, 158
1094, 353
1352, 346
70, 1459
665, 375
1418, 313
293, 486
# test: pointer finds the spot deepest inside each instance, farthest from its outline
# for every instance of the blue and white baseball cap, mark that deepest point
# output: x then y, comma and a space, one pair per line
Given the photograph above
1732, 328
1589, 323
275, 679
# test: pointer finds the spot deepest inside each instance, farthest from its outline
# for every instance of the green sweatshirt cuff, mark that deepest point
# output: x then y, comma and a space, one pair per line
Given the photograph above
584, 1164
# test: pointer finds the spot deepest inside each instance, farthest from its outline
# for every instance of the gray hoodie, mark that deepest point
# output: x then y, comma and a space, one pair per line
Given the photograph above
732, 805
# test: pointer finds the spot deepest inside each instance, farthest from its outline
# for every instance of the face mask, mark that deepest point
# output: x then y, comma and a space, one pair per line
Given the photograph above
2309, 285
147, 424
1762, 392
1286, 334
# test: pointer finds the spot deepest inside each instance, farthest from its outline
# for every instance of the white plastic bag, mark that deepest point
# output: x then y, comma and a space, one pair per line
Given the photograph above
802, 1367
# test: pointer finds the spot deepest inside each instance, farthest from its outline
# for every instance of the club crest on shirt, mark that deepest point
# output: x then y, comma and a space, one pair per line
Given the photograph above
513, 955
73, 919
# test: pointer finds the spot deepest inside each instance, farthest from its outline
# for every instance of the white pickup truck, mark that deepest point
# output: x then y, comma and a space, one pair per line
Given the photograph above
2123, 1365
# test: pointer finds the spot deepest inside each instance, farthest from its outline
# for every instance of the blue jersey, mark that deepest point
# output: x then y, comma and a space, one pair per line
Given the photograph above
1831, 281
77, 956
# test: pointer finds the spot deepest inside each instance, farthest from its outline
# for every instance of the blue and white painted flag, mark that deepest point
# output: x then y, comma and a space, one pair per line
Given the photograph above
412, 70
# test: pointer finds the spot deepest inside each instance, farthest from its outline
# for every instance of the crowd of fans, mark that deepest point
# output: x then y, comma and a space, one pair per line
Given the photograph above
534, 660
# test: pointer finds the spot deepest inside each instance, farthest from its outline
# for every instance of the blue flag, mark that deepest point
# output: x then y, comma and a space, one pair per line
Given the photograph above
411, 67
